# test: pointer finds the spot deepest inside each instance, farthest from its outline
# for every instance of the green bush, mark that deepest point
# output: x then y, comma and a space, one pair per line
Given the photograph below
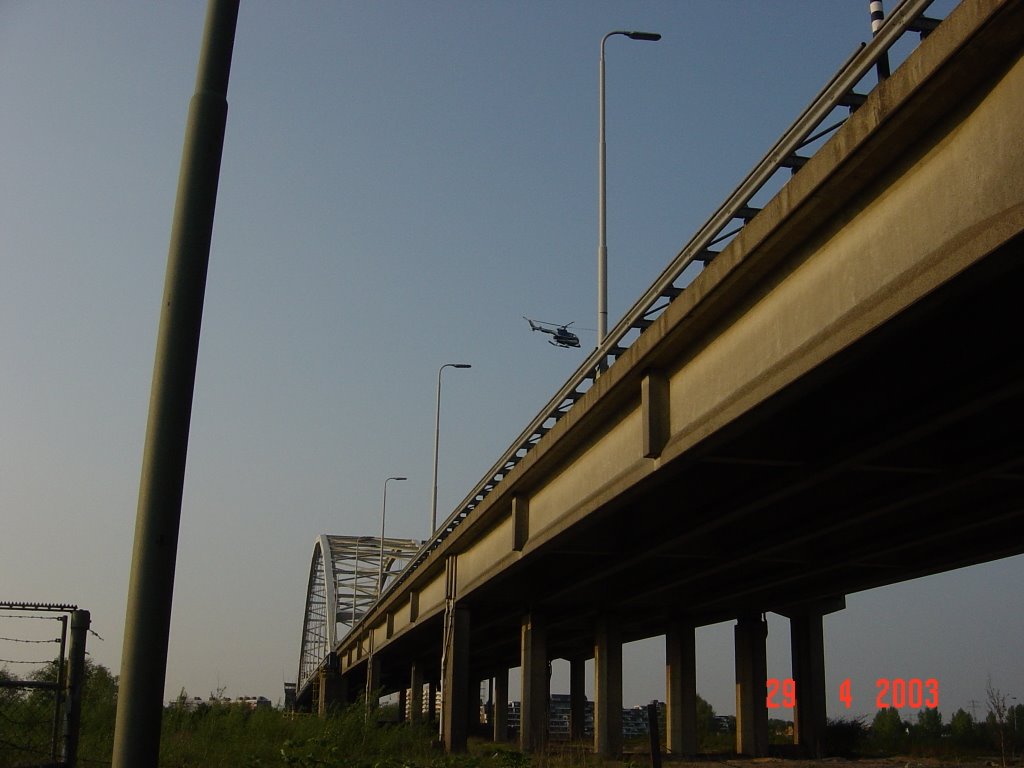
845, 737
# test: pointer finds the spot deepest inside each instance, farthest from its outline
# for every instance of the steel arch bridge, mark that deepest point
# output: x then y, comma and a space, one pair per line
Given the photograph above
346, 575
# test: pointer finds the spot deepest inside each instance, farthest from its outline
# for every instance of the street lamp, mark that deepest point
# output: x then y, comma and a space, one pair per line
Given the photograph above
602, 232
437, 437
383, 513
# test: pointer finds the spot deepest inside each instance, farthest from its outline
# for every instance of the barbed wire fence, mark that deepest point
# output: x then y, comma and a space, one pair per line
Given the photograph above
41, 674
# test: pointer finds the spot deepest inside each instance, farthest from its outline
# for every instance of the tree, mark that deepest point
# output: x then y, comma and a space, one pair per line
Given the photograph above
996, 720
7, 694
705, 718
962, 729
929, 724
1015, 716
888, 731
99, 696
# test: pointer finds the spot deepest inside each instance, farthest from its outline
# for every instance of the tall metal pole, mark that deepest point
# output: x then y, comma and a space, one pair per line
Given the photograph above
383, 513
602, 228
437, 440
148, 615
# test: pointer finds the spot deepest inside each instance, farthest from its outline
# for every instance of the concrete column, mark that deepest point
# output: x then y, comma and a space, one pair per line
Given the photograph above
681, 689
333, 691
403, 701
533, 718
372, 679
455, 697
607, 690
432, 701
751, 692
808, 647
577, 697
473, 702
321, 702
500, 711
416, 692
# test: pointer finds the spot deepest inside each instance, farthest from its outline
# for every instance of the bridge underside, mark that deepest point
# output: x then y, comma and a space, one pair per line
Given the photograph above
903, 456
836, 403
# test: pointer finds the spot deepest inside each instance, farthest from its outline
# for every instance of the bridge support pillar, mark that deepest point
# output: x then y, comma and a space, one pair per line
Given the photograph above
499, 712
416, 692
577, 697
807, 642
403, 703
681, 689
607, 689
333, 690
751, 693
431, 701
372, 679
808, 647
455, 697
533, 718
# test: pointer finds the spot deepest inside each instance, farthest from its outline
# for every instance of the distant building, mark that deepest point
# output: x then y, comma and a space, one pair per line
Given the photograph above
634, 720
253, 702
196, 702
723, 724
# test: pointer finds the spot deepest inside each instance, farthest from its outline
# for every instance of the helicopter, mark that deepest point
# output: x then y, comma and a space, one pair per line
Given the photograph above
563, 337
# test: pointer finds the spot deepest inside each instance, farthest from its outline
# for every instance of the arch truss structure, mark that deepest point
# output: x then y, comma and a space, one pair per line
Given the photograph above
346, 576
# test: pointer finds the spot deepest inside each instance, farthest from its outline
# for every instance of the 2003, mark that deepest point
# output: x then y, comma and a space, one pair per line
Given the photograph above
900, 693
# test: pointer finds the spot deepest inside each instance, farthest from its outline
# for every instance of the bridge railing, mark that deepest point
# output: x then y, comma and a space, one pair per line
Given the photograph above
807, 134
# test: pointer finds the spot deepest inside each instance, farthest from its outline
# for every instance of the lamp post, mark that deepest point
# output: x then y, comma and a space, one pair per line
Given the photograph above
437, 438
383, 514
602, 231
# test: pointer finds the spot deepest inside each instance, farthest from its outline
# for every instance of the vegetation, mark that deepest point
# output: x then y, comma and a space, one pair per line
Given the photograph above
217, 733
928, 735
230, 735
212, 734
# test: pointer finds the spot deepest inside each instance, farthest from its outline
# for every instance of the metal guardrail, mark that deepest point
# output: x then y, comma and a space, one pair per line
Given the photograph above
808, 128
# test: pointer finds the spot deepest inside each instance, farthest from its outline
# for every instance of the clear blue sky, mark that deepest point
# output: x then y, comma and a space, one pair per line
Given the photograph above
402, 181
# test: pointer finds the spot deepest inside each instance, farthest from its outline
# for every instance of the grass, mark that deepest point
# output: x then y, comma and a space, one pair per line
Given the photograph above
222, 736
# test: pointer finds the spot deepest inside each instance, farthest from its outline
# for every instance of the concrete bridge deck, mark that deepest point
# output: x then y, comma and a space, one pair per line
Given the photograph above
835, 403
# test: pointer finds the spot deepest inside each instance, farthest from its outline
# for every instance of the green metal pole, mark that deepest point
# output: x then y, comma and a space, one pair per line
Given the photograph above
148, 615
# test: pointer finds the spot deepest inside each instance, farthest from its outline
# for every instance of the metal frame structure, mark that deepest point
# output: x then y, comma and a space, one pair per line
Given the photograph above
345, 580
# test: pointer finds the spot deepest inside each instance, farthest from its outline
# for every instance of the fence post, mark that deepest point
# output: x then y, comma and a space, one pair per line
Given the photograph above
80, 621
655, 733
